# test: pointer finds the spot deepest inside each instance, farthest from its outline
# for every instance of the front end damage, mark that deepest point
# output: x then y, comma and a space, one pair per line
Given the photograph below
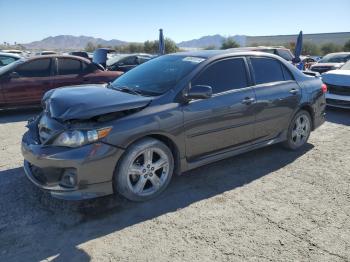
74, 171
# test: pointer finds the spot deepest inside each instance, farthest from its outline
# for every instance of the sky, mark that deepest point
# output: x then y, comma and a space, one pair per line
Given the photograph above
24, 21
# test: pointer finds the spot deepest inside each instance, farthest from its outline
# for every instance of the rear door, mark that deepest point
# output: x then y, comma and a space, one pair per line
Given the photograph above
277, 96
69, 71
33, 79
226, 119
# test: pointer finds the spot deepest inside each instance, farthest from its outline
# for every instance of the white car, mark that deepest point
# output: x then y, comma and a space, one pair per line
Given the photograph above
331, 62
338, 83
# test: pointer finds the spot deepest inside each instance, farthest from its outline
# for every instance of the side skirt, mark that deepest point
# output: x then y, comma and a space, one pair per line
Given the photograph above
186, 166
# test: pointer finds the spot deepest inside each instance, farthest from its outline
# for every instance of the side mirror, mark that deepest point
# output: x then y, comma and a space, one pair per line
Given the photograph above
199, 92
13, 75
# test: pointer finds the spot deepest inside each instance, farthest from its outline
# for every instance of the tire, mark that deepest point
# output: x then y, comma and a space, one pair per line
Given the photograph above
144, 171
299, 131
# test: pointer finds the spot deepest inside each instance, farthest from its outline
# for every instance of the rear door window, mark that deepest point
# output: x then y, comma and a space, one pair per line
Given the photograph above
224, 75
266, 70
35, 68
67, 66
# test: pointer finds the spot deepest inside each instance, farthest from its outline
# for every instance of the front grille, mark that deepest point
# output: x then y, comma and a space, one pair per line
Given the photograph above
338, 90
321, 69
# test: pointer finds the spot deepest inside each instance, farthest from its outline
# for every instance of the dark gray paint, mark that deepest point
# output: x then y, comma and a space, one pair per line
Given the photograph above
199, 131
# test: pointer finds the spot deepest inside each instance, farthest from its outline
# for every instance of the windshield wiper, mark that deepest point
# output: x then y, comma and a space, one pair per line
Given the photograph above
125, 89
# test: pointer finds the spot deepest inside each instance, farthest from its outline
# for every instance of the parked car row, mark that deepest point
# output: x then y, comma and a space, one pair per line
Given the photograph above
24, 82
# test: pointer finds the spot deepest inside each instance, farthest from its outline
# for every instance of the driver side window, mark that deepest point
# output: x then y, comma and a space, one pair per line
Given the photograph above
224, 75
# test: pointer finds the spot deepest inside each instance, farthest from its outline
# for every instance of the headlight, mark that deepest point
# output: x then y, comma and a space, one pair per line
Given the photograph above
77, 138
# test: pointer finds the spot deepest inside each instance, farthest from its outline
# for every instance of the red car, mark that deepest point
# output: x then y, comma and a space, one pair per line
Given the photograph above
24, 82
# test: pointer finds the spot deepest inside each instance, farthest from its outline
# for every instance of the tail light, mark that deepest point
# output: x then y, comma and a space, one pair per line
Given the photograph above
324, 88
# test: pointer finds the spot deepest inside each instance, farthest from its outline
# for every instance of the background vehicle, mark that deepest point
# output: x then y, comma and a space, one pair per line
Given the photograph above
8, 58
169, 115
338, 83
281, 51
307, 61
47, 53
23, 83
125, 62
330, 62
13, 51
81, 54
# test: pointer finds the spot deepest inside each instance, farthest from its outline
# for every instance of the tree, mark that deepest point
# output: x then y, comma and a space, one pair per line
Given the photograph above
330, 48
90, 47
229, 43
170, 46
310, 49
347, 46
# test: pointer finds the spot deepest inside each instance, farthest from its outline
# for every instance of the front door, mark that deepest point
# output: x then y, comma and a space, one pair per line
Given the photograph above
226, 119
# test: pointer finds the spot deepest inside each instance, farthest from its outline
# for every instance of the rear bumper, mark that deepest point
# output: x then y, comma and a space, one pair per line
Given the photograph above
91, 165
339, 101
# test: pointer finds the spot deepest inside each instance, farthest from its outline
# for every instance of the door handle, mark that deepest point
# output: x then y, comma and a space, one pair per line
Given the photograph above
293, 91
248, 100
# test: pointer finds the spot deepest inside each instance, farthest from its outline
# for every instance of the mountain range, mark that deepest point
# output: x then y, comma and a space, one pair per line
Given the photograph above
62, 42
69, 42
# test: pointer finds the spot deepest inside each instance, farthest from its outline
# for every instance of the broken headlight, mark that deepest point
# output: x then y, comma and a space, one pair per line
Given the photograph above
76, 138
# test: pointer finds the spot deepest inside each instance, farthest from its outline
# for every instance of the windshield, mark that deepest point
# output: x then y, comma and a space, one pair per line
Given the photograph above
346, 66
9, 67
158, 75
335, 58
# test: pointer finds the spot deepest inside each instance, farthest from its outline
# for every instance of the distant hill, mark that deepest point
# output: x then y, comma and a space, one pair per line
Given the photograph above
242, 40
318, 39
210, 40
70, 42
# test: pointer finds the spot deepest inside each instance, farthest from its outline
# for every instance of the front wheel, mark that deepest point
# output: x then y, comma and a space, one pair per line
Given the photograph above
145, 170
298, 131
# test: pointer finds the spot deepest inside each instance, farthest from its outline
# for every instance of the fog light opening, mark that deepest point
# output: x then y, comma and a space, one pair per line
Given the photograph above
69, 179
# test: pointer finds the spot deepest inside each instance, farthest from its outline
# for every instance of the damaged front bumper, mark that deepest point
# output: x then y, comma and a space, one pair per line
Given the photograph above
90, 168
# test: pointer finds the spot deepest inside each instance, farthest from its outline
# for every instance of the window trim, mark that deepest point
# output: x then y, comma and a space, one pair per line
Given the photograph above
248, 75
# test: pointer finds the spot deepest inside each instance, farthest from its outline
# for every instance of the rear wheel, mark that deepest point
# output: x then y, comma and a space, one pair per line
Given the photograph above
145, 170
299, 130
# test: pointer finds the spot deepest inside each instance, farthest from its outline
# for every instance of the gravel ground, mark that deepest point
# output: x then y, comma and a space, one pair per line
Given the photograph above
266, 205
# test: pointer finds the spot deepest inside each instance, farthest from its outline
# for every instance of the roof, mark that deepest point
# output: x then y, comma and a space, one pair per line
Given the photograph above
10, 55
56, 56
213, 53
202, 53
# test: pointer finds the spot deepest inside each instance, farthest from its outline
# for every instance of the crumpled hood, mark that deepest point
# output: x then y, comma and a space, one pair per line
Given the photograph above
337, 77
86, 101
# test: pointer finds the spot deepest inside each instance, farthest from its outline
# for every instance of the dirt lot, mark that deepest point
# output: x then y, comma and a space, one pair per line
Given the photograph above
266, 205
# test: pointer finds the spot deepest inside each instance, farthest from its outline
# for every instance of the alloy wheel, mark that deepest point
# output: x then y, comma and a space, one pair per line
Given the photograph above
148, 172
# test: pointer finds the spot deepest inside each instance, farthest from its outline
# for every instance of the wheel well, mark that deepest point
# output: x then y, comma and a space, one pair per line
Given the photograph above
174, 149
308, 109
